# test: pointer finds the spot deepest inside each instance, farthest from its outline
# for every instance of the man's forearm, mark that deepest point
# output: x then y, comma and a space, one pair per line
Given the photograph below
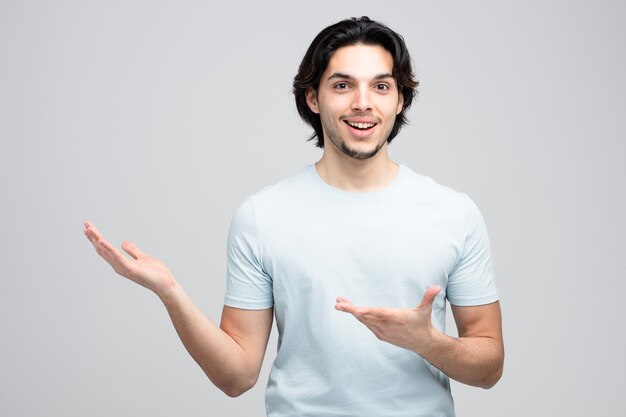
221, 358
476, 361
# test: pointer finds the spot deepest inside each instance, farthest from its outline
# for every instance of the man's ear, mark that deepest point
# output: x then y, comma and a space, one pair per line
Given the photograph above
400, 103
311, 100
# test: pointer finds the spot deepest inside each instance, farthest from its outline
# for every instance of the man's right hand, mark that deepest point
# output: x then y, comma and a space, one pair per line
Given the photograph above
142, 269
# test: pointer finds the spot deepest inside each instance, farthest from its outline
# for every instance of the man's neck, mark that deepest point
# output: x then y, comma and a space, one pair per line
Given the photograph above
357, 175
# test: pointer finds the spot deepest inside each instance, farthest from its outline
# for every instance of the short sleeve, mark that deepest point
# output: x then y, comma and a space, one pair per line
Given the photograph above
248, 286
471, 282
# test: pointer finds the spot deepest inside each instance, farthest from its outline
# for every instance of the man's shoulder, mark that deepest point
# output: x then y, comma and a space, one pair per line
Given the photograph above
286, 187
282, 194
424, 187
271, 201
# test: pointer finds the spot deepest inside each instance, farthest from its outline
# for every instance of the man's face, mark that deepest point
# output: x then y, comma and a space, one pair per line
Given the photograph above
357, 100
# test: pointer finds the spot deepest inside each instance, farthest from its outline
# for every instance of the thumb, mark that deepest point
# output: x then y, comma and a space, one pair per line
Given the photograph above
133, 250
429, 297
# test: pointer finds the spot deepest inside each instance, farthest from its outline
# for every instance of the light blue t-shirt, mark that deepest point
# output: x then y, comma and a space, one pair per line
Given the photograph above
300, 243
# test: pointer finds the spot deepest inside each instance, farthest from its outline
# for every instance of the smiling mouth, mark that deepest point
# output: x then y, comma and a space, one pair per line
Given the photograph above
359, 125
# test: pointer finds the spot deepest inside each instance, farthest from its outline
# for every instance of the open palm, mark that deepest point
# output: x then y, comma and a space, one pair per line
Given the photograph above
142, 269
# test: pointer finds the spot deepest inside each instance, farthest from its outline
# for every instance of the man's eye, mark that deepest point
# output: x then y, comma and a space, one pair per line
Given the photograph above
341, 86
382, 87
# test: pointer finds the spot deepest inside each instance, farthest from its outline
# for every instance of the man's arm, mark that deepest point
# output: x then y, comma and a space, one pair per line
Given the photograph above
475, 358
230, 355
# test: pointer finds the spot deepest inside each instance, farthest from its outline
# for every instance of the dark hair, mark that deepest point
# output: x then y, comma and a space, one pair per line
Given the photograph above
352, 32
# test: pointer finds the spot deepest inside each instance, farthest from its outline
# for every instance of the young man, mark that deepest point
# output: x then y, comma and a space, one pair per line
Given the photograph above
354, 224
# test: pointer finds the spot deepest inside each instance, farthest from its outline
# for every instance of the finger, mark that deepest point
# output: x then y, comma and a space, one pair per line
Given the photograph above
86, 230
378, 312
348, 307
114, 257
90, 235
383, 316
92, 232
95, 237
133, 250
429, 297
341, 303
86, 224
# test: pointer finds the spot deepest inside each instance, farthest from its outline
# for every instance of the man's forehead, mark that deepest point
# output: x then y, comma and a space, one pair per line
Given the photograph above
360, 61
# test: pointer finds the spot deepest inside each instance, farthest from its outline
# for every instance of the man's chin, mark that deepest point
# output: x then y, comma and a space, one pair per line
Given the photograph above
359, 154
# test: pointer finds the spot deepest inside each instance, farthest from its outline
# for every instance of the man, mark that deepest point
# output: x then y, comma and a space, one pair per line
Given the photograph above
354, 224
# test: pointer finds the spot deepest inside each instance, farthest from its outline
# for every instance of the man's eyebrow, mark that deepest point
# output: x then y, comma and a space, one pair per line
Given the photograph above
383, 76
349, 77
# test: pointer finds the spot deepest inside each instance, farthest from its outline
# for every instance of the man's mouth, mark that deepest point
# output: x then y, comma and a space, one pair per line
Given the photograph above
360, 125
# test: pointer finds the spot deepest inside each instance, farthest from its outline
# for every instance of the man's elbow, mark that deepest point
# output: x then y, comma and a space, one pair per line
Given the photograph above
492, 379
234, 392
235, 389
496, 368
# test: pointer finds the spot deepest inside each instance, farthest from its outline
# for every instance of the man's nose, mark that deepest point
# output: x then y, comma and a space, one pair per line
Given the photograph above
362, 100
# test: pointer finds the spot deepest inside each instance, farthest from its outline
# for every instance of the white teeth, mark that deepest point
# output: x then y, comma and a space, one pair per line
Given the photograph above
361, 125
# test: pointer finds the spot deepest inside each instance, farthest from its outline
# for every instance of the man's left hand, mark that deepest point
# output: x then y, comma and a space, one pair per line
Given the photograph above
409, 328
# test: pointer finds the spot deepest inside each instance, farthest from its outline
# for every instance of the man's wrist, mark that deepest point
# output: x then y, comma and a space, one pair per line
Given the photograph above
169, 292
431, 341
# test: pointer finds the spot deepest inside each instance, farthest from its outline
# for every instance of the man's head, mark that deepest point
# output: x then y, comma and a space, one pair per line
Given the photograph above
352, 32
